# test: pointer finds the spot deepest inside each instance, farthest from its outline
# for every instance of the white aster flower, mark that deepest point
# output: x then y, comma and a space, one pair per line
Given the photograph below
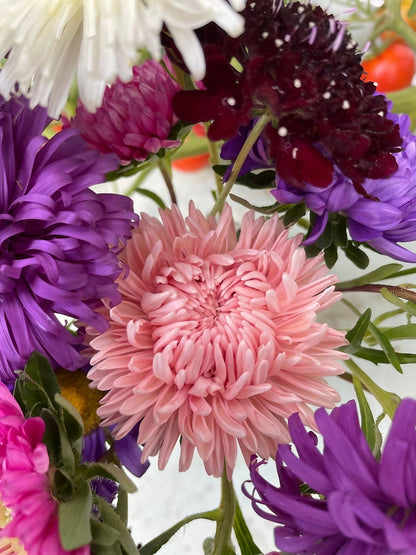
47, 42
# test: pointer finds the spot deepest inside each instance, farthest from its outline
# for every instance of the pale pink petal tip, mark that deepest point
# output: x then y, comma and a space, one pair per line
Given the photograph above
216, 340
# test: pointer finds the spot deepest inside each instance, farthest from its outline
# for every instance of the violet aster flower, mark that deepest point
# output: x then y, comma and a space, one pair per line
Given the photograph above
381, 223
356, 503
59, 240
135, 118
299, 64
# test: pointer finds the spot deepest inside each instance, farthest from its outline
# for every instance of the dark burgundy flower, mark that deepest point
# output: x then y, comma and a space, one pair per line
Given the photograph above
299, 64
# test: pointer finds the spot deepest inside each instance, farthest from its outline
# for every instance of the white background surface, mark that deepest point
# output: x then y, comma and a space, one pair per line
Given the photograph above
165, 497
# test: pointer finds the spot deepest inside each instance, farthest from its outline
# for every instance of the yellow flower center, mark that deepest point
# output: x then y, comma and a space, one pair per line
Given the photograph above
75, 388
11, 546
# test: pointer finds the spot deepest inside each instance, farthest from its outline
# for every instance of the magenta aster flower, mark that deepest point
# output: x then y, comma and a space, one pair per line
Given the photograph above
356, 504
29, 513
381, 223
299, 64
59, 240
136, 118
215, 341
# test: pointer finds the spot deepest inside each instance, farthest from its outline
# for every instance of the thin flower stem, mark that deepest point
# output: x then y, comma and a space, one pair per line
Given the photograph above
167, 178
242, 155
377, 288
154, 545
225, 525
214, 160
387, 400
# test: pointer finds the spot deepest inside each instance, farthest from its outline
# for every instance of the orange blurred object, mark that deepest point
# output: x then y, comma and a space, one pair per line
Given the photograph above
393, 69
193, 163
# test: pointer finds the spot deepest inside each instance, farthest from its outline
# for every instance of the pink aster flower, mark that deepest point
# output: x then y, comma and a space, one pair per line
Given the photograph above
28, 512
135, 118
216, 340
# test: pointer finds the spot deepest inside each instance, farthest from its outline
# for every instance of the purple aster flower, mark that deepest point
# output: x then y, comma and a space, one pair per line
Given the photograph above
382, 222
299, 64
59, 240
135, 119
353, 503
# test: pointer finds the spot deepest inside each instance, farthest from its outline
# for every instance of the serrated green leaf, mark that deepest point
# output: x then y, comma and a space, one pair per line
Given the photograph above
103, 534
64, 485
39, 369
381, 273
65, 456
72, 420
408, 307
74, 519
243, 535
110, 517
356, 334
368, 425
110, 471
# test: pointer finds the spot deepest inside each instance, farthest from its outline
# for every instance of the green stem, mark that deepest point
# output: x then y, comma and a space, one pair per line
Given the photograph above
377, 287
154, 545
225, 525
167, 178
242, 155
394, 22
387, 400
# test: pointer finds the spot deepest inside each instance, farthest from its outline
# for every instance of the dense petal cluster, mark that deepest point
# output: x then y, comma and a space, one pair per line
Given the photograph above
215, 341
48, 41
299, 64
59, 240
29, 513
356, 504
382, 222
135, 118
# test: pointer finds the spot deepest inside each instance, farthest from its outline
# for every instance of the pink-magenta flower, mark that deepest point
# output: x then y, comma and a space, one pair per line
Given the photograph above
28, 512
215, 341
136, 118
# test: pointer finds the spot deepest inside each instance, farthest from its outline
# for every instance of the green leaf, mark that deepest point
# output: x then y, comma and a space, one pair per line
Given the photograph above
386, 346
208, 546
122, 505
63, 483
294, 214
357, 256
103, 533
381, 273
378, 357
110, 471
406, 331
150, 194
72, 420
243, 535
412, 9
368, 425
356, 334
29, 394
110, 517
74, 519
39, 369
408, 307
331, 255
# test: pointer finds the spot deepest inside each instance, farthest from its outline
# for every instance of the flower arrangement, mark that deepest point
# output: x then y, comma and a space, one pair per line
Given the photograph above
222, 328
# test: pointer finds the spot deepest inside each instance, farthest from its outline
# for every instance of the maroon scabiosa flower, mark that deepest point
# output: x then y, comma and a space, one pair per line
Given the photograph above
354, 503
59, 240
299, 64
136, 118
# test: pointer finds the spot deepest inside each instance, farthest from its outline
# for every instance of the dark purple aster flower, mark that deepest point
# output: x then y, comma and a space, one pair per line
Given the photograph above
381, 223
354, 504
58, 239
299, 64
